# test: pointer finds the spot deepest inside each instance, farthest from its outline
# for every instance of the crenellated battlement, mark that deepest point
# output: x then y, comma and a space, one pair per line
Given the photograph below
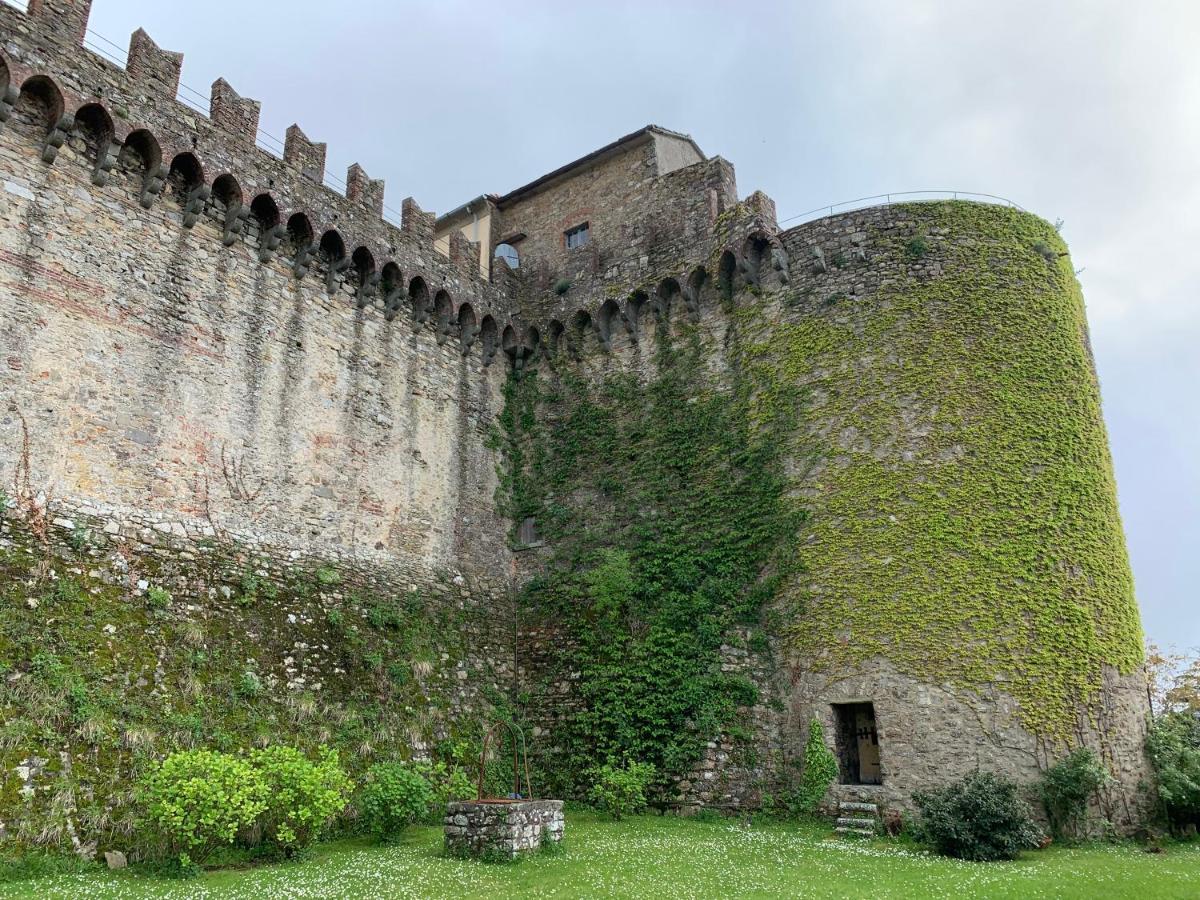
131, 117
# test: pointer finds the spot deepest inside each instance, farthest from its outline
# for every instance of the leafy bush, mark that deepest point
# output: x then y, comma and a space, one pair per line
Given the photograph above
621, 790
820, 770
302, 795
979, 818
446, 783
395, 796
1174, 747
198, 800
1066, 789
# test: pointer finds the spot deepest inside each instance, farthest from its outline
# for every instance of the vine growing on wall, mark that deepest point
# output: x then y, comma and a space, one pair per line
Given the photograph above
964, 516
665, 504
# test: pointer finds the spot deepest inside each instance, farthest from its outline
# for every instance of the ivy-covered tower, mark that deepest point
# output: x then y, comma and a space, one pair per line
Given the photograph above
855, 471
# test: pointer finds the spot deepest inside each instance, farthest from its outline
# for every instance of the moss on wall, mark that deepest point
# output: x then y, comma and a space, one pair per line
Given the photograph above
964, 520
948, 502
110, 659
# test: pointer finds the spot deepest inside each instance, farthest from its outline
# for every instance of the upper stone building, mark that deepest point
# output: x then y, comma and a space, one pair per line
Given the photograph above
226, 374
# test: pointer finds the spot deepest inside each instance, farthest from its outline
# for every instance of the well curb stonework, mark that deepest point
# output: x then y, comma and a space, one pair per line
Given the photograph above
499, 829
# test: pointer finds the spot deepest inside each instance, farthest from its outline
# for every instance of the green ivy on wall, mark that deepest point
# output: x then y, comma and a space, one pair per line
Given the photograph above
964, 519
920, 474
665, 503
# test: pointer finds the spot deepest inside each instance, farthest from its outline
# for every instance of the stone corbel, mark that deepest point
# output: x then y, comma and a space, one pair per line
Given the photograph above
332, 272
56, 138
193, 205
368, 289
152, 186
104, 164
819, 264
8, 100
235, 221
303, 261
779, 262
392, 301
469, 333
270, 242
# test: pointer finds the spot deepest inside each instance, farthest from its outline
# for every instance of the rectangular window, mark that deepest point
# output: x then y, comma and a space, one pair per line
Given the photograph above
857, 741
577, 236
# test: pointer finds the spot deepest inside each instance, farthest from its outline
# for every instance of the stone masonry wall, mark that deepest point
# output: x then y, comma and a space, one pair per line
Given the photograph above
839, 275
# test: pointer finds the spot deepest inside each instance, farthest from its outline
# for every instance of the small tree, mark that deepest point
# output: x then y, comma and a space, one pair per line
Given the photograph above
1067, 788
820, 769
1174, 747
979, 818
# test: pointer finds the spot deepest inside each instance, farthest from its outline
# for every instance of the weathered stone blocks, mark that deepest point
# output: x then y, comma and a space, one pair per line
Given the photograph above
499, 829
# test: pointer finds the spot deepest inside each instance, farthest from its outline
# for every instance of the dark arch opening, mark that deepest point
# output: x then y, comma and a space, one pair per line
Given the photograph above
299, 233
667, 296
606, 319
93, 130
697, 284
554, 335
467, 328
488, 338
635, 307
533, 339
226, 191
756, 253
391, 283
332, 248
443, 312
508, 341
5, 75
726, 269
43, 101
140, 152
265, 212
418, 298
186, 174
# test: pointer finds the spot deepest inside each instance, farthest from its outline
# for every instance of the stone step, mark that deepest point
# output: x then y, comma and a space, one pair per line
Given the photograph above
854, 822
850, 806
860, 832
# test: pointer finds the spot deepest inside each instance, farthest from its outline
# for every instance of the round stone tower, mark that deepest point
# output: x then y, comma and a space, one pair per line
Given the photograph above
966, 599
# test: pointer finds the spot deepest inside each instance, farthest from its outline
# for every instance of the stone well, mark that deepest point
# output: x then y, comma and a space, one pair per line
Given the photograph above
502, 828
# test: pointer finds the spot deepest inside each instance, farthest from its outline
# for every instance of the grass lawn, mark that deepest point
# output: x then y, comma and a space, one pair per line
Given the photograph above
667, 857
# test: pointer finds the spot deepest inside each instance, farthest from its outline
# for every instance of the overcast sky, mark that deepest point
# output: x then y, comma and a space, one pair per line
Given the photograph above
1085, 111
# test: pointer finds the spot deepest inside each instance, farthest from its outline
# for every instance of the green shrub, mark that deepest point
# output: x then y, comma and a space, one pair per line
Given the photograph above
562, 286
395, 796
621, 790
198, 800
446, 783
1174, 747
158, 598
250, 685
1066, 789
916, 248
302, 795
327, 576
979, 818
820, 770
33, 864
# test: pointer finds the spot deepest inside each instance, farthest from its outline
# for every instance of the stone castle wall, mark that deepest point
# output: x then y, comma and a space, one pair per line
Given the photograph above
202, 343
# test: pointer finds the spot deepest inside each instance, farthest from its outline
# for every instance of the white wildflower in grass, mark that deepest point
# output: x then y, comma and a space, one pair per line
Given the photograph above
650, 857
